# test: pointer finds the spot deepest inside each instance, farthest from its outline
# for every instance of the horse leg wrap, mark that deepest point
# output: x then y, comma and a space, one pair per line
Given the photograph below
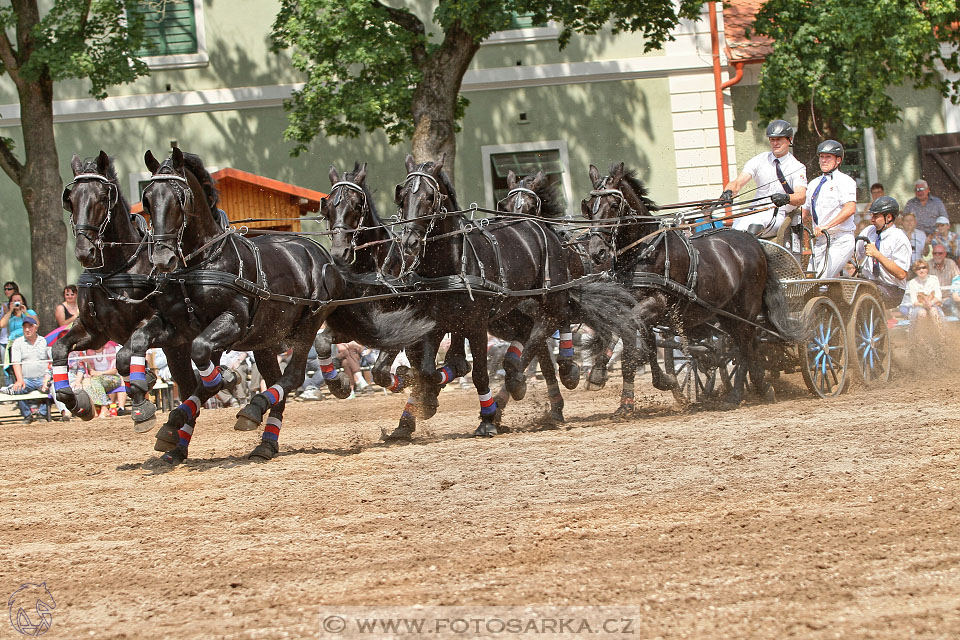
271, 431
445, 374
555, 414
61, 385
459, 364
269, 443
398, 380
273, 395
626, 400
337, 383
211, 378
407, 425
514, 377
489, 416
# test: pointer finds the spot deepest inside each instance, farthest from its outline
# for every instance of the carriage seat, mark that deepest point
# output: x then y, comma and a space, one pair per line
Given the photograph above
782, 261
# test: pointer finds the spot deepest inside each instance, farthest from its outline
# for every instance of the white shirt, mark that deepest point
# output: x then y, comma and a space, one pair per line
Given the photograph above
32, 358
894, 245
929, 285
917, 239
836, 189
763, 171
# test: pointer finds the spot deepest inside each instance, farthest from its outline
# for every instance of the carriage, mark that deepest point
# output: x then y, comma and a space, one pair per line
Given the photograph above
848, 340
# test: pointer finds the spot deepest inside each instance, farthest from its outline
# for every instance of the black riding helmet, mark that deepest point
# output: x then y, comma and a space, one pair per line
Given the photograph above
885, 205
780, 129
830, 146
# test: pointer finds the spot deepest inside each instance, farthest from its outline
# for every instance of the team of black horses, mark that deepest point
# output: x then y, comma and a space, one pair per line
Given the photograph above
191, 284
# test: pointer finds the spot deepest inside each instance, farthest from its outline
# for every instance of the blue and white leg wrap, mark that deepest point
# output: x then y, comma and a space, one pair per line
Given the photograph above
210, 375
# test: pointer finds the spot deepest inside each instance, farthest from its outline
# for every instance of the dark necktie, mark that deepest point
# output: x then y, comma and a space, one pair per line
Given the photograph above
876, 263
783, 181
816, 192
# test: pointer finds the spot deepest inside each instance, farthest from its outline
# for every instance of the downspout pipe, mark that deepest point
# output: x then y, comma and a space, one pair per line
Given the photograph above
718, 92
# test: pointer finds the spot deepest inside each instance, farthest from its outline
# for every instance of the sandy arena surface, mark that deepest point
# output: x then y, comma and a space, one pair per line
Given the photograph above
804, 518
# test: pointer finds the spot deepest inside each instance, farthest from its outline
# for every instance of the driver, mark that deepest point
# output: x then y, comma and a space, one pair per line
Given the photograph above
886, 251
830, 206
779, 176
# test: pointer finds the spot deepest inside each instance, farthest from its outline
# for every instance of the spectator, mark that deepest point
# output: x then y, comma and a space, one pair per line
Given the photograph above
234, 366
850, 269
945, 270
67, 311
945, 237
101, 381
927, 207
28, 357
349, 354
925, 296
917, 238
9, 289
313, 381
12, 319
876, 190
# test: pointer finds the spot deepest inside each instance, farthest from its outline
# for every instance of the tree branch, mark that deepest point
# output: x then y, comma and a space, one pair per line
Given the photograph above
411, 23
9, 163
84, 18
9, 57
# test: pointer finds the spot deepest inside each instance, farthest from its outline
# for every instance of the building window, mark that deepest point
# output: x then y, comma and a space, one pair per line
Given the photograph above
525, 159
174, 33
523, 21
523, 29
855, 166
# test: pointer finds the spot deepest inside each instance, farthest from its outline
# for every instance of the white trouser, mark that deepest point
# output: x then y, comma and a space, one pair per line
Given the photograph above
842, 245
766, 219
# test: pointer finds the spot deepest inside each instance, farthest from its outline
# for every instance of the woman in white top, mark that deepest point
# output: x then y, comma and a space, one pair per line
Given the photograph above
925, 295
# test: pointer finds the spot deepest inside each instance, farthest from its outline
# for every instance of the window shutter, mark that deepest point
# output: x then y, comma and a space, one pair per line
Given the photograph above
170, 27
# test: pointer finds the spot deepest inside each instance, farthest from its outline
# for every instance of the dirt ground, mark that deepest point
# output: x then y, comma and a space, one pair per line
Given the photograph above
804, 518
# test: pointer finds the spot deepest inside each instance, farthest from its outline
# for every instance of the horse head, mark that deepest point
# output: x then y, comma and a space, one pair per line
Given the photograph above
174, 199
613, 199
345, 208
421, 199
92, 199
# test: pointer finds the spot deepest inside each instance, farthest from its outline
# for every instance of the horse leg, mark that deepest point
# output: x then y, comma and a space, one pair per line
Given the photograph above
168, 435
455, 363
131, 365
514, 368
224, 330
337, 383
489, 412
412, 409
555, 414
598, 372
648, 312
569, 370
77, 338
269, 443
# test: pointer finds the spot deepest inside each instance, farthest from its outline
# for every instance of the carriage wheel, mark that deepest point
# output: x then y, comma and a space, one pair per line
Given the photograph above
824, 354
869, 341
694, 382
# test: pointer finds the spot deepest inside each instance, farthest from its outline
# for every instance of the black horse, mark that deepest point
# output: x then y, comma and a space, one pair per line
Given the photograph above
716, 276
483, 262
112, 245
265, 294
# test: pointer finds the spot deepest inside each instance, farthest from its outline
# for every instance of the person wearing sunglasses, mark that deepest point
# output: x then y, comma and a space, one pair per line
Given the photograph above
926, 299
945, 271
927, 207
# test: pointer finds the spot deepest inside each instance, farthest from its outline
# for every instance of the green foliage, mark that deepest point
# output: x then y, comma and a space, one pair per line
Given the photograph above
843, 55
363, 61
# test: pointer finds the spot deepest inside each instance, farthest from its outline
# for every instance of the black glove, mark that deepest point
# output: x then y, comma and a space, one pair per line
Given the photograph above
780, 199
726, 197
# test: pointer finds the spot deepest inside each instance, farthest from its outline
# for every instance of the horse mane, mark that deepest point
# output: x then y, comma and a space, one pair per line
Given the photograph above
193, 162
349, 176
90, 166
549, 194
630, 177
444, 180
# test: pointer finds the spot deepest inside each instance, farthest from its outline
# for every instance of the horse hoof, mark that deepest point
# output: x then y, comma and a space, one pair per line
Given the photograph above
403, 433
460, 365
428, 406
597, 378
175, 456
624, 411
163, 445
144, 418
553, 417
517, 386
486, 430
266, 450
168, 436
84, 409
246, 424
340, 386
770, 395
569, 373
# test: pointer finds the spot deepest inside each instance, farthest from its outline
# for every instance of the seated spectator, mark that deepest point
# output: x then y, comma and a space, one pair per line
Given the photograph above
234, 366
925, 295
850, 269
67, 311
946, 270
876, 190
28, 358
12, 319
945, 237
101, 381
349, 354
917, 238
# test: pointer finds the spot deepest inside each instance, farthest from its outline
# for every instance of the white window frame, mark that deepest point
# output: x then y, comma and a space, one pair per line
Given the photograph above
185, 60
533, 34
492, 149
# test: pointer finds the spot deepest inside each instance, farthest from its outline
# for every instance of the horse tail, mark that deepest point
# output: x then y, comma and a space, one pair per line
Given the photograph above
395, 329
778, 311
606, 308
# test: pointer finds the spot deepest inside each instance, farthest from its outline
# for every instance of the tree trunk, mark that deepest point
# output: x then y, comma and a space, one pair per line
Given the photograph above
40, 188
810, 133
435, 100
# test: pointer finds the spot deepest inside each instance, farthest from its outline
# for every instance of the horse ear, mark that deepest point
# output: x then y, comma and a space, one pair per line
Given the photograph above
76, 165
103, 162
618, 171
594, 175
438, 165
410, 163
334, 176
396, 194
177, 156
511, 179
361, 175
538, 180
150, 161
